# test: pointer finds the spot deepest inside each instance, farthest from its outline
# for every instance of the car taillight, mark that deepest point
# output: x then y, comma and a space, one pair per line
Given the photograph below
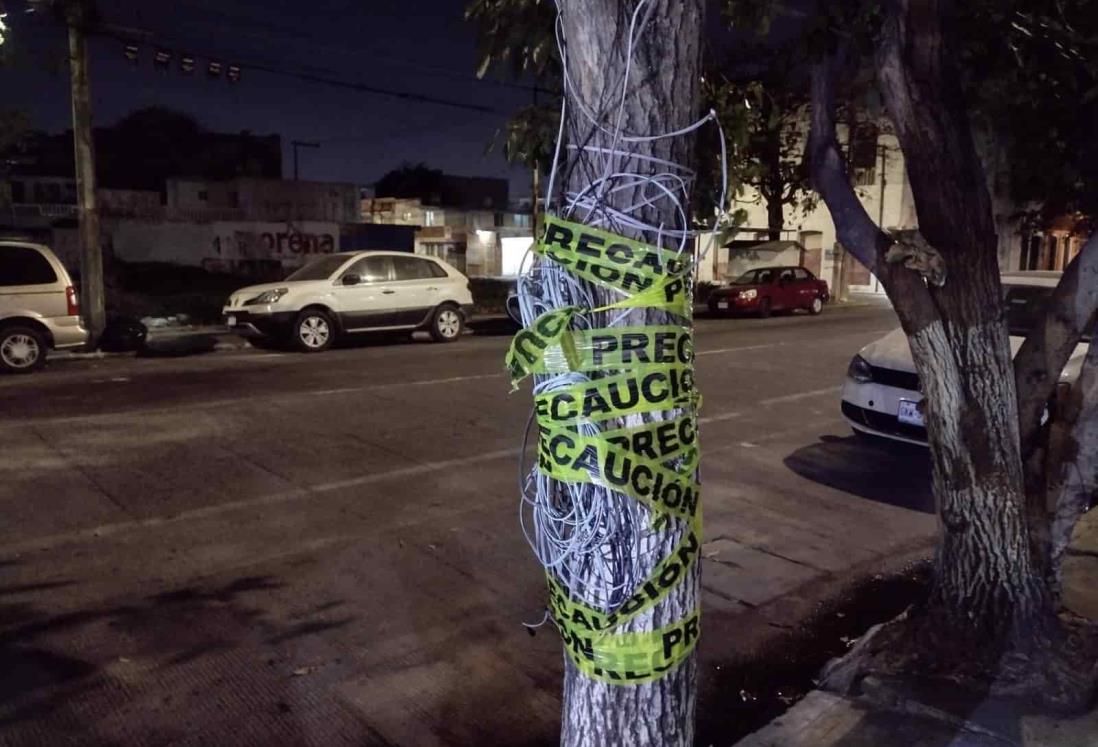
72, 300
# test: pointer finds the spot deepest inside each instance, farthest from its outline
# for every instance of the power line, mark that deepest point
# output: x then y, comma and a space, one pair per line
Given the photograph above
130, 35
254, 24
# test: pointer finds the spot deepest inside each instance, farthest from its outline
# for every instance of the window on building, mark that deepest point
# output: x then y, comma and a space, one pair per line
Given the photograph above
1068, 251
863, 153
430, 218
1050, 256
203, 195
21, 265
234, 199
18, 192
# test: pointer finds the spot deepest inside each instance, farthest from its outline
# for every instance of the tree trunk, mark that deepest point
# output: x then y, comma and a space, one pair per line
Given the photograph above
775, 219
663, 94
986, 584
772, 159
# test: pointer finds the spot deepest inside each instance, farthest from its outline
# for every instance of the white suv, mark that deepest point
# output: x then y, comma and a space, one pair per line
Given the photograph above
354, 292
39, 306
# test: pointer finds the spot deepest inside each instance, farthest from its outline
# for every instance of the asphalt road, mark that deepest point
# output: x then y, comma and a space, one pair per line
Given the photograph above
260, 548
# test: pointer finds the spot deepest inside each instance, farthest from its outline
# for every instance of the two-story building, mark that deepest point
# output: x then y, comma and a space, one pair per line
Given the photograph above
881, 183
467, 221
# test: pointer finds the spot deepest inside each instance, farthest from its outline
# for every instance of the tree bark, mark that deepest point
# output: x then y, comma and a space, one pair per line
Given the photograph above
986, 584
1050, 344
775, 217
944, 285
772, 160
663, 95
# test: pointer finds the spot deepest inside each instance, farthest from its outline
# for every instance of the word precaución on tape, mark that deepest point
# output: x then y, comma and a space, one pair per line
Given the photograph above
637, 370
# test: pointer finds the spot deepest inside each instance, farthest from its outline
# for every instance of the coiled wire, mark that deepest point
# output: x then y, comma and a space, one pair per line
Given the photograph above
598, 543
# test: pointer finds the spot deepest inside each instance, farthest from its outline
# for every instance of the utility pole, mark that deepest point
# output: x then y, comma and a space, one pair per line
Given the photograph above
92, 300
300, 144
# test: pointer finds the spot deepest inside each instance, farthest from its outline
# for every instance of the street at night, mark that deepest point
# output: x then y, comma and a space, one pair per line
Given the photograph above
327, 550
523, 373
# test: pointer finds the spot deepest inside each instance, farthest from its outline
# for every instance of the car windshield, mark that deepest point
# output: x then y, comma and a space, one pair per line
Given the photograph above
319, 269
754, 277
1024, 306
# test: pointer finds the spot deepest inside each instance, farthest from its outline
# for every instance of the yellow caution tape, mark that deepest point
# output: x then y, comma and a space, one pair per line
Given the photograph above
566, 455
643, 389
648, 275
632, 370
632, 658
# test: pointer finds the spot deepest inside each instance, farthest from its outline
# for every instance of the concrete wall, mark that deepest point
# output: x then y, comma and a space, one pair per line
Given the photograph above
742, 260
268, 199
221, 246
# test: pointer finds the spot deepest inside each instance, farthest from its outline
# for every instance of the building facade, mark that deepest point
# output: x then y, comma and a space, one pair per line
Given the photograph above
883, 188
476, 230
245, 226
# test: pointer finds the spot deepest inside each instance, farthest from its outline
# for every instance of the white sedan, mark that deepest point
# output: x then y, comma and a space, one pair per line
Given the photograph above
882, 395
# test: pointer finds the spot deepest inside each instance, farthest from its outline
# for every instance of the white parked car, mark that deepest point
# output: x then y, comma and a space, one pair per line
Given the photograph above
39, 306
354, 292
881, 395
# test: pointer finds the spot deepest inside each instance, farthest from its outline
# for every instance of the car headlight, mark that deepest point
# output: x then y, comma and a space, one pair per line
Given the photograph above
270, 296
860, 370
748, 294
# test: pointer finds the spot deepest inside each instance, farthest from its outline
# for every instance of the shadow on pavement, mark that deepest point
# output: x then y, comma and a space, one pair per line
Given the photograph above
178, 346
896, 474
493, 326
63, 674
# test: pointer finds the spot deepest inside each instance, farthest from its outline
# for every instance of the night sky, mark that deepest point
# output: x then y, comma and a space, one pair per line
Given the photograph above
415, 46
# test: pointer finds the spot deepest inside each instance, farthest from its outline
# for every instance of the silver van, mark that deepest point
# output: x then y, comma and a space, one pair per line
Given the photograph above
39, 306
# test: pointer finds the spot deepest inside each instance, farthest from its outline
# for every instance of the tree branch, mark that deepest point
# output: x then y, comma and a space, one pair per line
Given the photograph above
855, 229
1050, 344
1076, 477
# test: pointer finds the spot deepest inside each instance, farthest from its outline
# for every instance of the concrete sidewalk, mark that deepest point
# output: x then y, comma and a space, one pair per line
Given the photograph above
824, 719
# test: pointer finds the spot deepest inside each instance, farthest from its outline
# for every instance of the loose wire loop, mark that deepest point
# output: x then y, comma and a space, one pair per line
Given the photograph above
599, 543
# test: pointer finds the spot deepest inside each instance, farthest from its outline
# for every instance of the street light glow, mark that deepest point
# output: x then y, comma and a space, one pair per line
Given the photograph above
3, 28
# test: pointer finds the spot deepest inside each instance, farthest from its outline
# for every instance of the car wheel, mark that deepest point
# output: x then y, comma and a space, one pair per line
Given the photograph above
22, 349
447, 324
764, 308
816, 307
313, 331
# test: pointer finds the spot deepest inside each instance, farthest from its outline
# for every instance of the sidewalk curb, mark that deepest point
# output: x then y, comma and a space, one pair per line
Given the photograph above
232, 343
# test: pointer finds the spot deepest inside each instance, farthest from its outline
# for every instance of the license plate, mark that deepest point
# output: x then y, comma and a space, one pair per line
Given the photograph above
722, 304
232, 321
909, 413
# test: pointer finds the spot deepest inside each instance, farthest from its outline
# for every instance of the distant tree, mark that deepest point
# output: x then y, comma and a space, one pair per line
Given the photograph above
149, 146
768, 121
1033, 93
517, 39
14, 127
410, 180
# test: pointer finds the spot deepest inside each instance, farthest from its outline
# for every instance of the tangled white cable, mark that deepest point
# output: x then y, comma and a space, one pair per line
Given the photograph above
597, 542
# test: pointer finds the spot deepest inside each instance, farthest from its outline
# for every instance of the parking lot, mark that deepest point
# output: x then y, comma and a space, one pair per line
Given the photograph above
325, 549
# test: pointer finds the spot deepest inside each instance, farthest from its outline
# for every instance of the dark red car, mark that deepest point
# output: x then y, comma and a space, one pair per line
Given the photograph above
768, 289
